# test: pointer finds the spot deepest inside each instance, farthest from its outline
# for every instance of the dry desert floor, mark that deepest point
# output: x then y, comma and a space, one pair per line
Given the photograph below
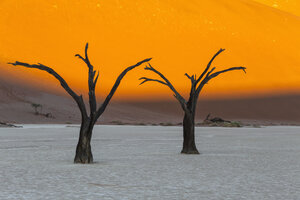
143, 162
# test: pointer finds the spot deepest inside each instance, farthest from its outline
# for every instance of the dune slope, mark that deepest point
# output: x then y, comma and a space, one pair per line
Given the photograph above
180, 36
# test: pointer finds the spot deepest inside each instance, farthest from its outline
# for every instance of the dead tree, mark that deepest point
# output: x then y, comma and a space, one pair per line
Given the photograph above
36, 106
189, 107
83, 150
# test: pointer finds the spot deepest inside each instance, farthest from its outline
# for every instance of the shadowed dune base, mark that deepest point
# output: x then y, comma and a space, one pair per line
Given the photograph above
16, 100
270, 110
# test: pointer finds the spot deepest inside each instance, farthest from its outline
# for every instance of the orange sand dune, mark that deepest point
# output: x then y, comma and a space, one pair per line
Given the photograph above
291, 6
180, 35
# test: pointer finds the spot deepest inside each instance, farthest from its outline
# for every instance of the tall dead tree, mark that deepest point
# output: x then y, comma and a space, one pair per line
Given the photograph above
83, 150
189, 107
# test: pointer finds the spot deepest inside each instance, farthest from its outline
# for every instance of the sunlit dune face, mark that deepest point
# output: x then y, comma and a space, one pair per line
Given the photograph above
181, 37
290, 6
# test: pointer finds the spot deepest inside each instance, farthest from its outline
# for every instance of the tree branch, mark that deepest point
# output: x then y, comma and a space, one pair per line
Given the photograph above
211, 71
91, 81
210, 76
226, 70
208, 65
115, 87
96, 79
193, 85
77, 98
167, 83
86, 55
192, 78
80, 57
145, 79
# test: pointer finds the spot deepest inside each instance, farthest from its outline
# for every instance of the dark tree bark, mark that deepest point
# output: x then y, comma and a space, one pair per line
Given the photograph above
189, 145
189, 107
83, 149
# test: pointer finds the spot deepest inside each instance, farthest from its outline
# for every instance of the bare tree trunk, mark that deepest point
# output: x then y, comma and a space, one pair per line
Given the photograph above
83, 149
189, 146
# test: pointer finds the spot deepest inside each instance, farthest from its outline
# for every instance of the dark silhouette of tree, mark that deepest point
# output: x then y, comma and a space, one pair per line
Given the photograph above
36, 106
189, 107
83, 150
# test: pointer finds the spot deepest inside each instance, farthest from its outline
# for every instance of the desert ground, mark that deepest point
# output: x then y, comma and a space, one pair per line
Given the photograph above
143, 162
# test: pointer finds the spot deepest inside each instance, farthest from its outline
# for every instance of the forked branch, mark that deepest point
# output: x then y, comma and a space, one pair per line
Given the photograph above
208, 65
92, 81
210, 76
192, 78
166, 82
115, 86
193, 84
86, 59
